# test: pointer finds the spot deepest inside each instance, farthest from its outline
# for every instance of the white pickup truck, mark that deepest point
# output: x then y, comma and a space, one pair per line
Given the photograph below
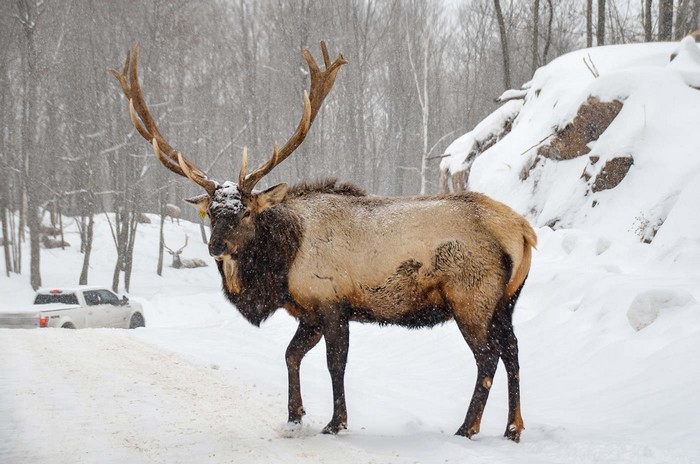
75, 308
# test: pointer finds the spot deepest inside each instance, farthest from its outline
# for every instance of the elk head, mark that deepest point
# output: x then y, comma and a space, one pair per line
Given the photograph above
232, 207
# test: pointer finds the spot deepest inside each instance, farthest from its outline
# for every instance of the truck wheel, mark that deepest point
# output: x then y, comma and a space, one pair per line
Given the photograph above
136, 321
68, 325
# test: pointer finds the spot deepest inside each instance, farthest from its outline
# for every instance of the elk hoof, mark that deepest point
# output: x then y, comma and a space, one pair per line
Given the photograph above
513, 433
296, 417
468, 432
333, 428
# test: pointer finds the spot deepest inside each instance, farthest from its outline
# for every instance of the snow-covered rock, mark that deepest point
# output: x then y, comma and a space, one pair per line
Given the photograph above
654, 139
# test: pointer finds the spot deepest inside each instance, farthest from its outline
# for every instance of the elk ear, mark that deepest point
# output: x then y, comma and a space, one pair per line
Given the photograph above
201, 203
271, 197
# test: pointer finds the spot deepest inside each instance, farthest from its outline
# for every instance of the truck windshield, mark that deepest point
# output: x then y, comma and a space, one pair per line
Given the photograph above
65, 298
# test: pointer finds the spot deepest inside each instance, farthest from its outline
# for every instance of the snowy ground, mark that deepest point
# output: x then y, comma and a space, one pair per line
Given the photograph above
200, 384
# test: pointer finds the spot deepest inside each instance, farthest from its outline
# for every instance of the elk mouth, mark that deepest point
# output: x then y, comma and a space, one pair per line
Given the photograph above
233, 255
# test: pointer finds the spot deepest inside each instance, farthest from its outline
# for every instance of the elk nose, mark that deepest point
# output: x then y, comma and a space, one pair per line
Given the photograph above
217, 249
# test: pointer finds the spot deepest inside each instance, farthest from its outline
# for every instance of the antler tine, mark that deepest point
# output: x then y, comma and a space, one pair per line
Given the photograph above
244, 166
183, 246
321, 85
145, 125
166, 247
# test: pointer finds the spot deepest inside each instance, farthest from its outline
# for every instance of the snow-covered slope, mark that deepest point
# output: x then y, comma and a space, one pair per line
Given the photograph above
657, 127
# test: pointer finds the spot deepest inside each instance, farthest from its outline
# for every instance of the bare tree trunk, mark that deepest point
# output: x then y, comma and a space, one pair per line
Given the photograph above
83, 280
694, 16
681, 11
686, 17
600, 33
16, 245
548, 41
422, 88
535, 35
504, 44
426, 119
5, 236
665, 20
647, 21
589, 23
59, 211
28, 16
161, 243
120, 230
129, 259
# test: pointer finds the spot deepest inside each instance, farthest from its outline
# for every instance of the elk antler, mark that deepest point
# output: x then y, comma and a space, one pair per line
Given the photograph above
321, 85
166, 247
179, 249
146, 126
183, 246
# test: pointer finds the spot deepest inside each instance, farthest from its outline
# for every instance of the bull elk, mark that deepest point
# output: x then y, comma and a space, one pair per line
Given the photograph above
179, 263
330, 254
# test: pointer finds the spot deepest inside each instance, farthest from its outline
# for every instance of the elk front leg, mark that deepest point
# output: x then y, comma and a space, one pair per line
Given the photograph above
336, 331
305, 338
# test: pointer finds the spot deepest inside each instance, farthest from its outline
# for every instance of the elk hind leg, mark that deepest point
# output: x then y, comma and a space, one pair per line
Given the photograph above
336, 332
306, 337
474, 319
508, 347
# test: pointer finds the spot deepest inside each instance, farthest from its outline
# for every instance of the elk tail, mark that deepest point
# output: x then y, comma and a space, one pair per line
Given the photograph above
522, 267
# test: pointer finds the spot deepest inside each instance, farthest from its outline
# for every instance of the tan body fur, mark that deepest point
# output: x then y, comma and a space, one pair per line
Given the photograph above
354, 248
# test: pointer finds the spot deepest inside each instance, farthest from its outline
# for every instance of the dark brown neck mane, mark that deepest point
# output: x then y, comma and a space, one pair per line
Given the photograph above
264, 265
329, 186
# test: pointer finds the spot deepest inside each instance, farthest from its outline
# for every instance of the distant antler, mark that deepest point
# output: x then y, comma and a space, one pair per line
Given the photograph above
166, 247
321, 85
183, 246
146, 126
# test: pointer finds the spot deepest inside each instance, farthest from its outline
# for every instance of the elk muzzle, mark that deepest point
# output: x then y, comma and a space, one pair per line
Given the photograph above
217, 248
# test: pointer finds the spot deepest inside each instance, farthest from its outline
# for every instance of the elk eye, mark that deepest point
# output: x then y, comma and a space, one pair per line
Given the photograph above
246, 214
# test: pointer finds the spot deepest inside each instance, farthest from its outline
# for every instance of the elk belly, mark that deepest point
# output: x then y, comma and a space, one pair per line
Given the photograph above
408, 297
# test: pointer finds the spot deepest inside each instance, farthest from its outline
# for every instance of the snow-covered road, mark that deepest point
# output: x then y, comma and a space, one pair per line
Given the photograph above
108, 396
155, 406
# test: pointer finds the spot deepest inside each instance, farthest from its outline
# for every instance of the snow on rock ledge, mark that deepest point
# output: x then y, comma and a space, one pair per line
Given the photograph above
653, 143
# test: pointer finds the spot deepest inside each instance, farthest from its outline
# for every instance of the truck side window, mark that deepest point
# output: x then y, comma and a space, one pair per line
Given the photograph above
107, 297
65, 298
91, 298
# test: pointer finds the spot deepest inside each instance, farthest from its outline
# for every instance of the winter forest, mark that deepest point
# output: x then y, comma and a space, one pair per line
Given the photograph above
223, 74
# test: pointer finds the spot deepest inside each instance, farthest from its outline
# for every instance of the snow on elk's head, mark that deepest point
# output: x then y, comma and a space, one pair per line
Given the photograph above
231, 207
233, 215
